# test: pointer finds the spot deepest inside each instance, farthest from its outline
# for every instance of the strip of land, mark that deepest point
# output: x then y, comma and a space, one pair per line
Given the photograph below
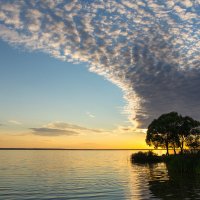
71, 149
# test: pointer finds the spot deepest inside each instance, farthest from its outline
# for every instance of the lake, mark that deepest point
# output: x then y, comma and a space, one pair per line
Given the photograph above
95, 174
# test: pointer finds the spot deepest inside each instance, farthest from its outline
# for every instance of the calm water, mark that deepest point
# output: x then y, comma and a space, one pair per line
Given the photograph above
88, 175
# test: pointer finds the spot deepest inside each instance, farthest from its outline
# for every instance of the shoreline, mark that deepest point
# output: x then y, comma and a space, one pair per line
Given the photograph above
65, 149
188, 162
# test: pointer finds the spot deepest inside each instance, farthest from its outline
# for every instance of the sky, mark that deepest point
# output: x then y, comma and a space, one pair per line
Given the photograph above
94, 74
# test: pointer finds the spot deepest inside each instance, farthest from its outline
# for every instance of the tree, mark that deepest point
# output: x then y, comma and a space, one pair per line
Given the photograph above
162, 132
186, 131
193, 140
175, 131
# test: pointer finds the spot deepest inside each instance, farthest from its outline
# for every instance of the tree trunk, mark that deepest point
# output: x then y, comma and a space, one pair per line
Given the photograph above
174, 149
182, 144
167, 148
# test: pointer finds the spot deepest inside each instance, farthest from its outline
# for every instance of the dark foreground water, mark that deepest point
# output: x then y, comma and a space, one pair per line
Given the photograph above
88, 175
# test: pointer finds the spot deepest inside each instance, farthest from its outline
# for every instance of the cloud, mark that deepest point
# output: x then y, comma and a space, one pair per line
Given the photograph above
64, 125
90, 115
128, 130
62, 128
150, 48
15, 122
52, 132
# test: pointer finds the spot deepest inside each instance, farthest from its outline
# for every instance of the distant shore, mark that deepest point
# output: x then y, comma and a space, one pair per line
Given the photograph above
76, 149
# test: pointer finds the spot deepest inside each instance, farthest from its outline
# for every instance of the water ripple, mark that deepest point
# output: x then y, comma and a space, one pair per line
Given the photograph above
88, 175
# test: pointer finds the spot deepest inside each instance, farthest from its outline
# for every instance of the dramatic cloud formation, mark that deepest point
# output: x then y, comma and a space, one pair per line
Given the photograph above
149, 48
62, 128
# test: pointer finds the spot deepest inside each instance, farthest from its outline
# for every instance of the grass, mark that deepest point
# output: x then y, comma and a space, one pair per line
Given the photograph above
184, 163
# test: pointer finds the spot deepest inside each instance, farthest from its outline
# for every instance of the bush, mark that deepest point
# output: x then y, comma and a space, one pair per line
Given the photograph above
146, 157
187, 163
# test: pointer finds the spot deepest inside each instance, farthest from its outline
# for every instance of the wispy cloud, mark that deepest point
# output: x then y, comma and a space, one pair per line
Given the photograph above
62, 128
90, 115
52, 132
64, 125
15, 122
150, 48
128, 129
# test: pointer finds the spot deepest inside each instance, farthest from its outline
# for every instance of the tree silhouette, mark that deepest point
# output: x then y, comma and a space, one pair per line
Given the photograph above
193, 140
186, 131
173, 130
162, 132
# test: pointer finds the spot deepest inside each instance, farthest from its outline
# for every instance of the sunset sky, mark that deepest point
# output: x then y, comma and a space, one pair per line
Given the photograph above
94, 74
38, 91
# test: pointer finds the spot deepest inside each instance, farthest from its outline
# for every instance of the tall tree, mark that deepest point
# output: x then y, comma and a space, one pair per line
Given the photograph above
162, 132
186, 128
173, 130
193, 140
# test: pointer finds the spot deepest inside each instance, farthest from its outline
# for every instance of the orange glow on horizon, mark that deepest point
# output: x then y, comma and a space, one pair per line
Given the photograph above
73, 142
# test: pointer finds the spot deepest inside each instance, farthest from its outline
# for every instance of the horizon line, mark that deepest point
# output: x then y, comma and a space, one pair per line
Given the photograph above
74, 149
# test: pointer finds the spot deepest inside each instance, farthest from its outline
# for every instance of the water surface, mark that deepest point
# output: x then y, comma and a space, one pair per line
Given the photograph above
43, 174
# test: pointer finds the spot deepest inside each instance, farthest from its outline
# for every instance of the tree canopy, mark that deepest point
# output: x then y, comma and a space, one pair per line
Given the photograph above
172, 130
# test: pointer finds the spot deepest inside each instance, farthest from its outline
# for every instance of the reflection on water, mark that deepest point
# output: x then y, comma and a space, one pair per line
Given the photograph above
168, 186
175, 186
88, 175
